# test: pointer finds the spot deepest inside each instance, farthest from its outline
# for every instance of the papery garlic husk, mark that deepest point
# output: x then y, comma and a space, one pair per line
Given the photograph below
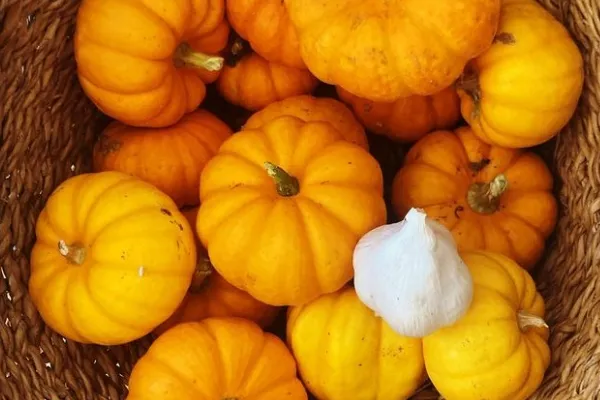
410, 274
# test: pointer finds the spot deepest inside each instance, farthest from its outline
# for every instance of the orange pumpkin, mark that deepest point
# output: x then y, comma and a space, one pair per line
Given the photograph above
491, 198
212, 296
409, 118
313, 109
285, 232
382, 50
266, 25
254, 83
169, 158
218, 358
524, 89
113, 258
146, 63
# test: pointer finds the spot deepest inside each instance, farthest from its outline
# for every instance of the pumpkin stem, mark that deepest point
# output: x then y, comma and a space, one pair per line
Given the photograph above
186, 56
484, 198
75, 254
527, 320
285, 184
203, 270
469, 83
238, 49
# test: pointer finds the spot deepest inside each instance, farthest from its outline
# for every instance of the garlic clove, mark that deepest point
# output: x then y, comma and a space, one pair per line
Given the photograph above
410, 273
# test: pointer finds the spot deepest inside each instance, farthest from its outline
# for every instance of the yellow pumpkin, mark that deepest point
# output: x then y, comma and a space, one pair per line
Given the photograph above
499, 349
491, 198
113, 258
344, 351
282, 207
525, 88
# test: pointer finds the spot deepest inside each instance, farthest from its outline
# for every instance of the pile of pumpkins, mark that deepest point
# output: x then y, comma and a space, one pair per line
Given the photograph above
202, 236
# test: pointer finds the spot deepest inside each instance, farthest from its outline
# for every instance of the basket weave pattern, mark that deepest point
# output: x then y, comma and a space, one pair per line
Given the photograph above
47, 129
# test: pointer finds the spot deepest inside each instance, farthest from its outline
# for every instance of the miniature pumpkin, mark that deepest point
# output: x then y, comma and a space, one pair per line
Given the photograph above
265, 24
218, 358
381, 50
313, 109
515, 97
344, 351
169, 158
499, 349
143, 63
283, 206
212, 296
409, 118
254, 83
491, 198
108, 247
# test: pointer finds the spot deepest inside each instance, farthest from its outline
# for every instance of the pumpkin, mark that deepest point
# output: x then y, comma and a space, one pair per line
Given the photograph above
146, 63
212, 296
265, 24
381, 50
491, 198
409, 118
169, 158
313, 109
344, 351
218, 358
282, 207
254, 83
499, 349
113, 258
513, 96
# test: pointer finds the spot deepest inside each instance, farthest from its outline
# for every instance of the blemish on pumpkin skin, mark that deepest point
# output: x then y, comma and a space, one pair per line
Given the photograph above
505, 38
166, 212
107, 146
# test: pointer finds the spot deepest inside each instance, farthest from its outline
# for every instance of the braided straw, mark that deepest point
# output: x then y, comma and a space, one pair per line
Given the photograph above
47, 129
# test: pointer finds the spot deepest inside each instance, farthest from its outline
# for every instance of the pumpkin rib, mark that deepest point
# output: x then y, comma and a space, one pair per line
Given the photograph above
168, 367
68, 310
330, 214
84, 280
242, 157
150, 12
315, 275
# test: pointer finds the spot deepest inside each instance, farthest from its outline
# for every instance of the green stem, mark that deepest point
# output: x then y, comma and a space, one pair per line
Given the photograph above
527, 320
186, 56
75, 254
285, 184
484, 198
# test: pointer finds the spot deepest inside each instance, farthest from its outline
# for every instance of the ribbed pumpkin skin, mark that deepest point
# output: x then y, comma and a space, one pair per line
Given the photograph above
382, 50
218, 358
525, 88
287, 249
254, 83
130, 253
126, 54
170, 158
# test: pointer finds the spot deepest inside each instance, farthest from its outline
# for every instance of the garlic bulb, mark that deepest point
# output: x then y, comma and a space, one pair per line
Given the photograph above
411, 275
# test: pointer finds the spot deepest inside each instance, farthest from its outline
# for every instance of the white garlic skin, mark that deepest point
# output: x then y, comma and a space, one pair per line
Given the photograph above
411, 275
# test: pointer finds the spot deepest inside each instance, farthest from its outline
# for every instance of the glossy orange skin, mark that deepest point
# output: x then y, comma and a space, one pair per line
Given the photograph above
382, 50
436, 176
125, 56
169, 158
288, 250
215, 297
407, 119
254, 83
265, 24
139, 259
314, 109
216, 359
525, 97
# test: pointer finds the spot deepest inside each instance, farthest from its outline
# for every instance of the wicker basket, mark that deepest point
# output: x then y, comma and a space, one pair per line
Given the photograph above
47, 130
